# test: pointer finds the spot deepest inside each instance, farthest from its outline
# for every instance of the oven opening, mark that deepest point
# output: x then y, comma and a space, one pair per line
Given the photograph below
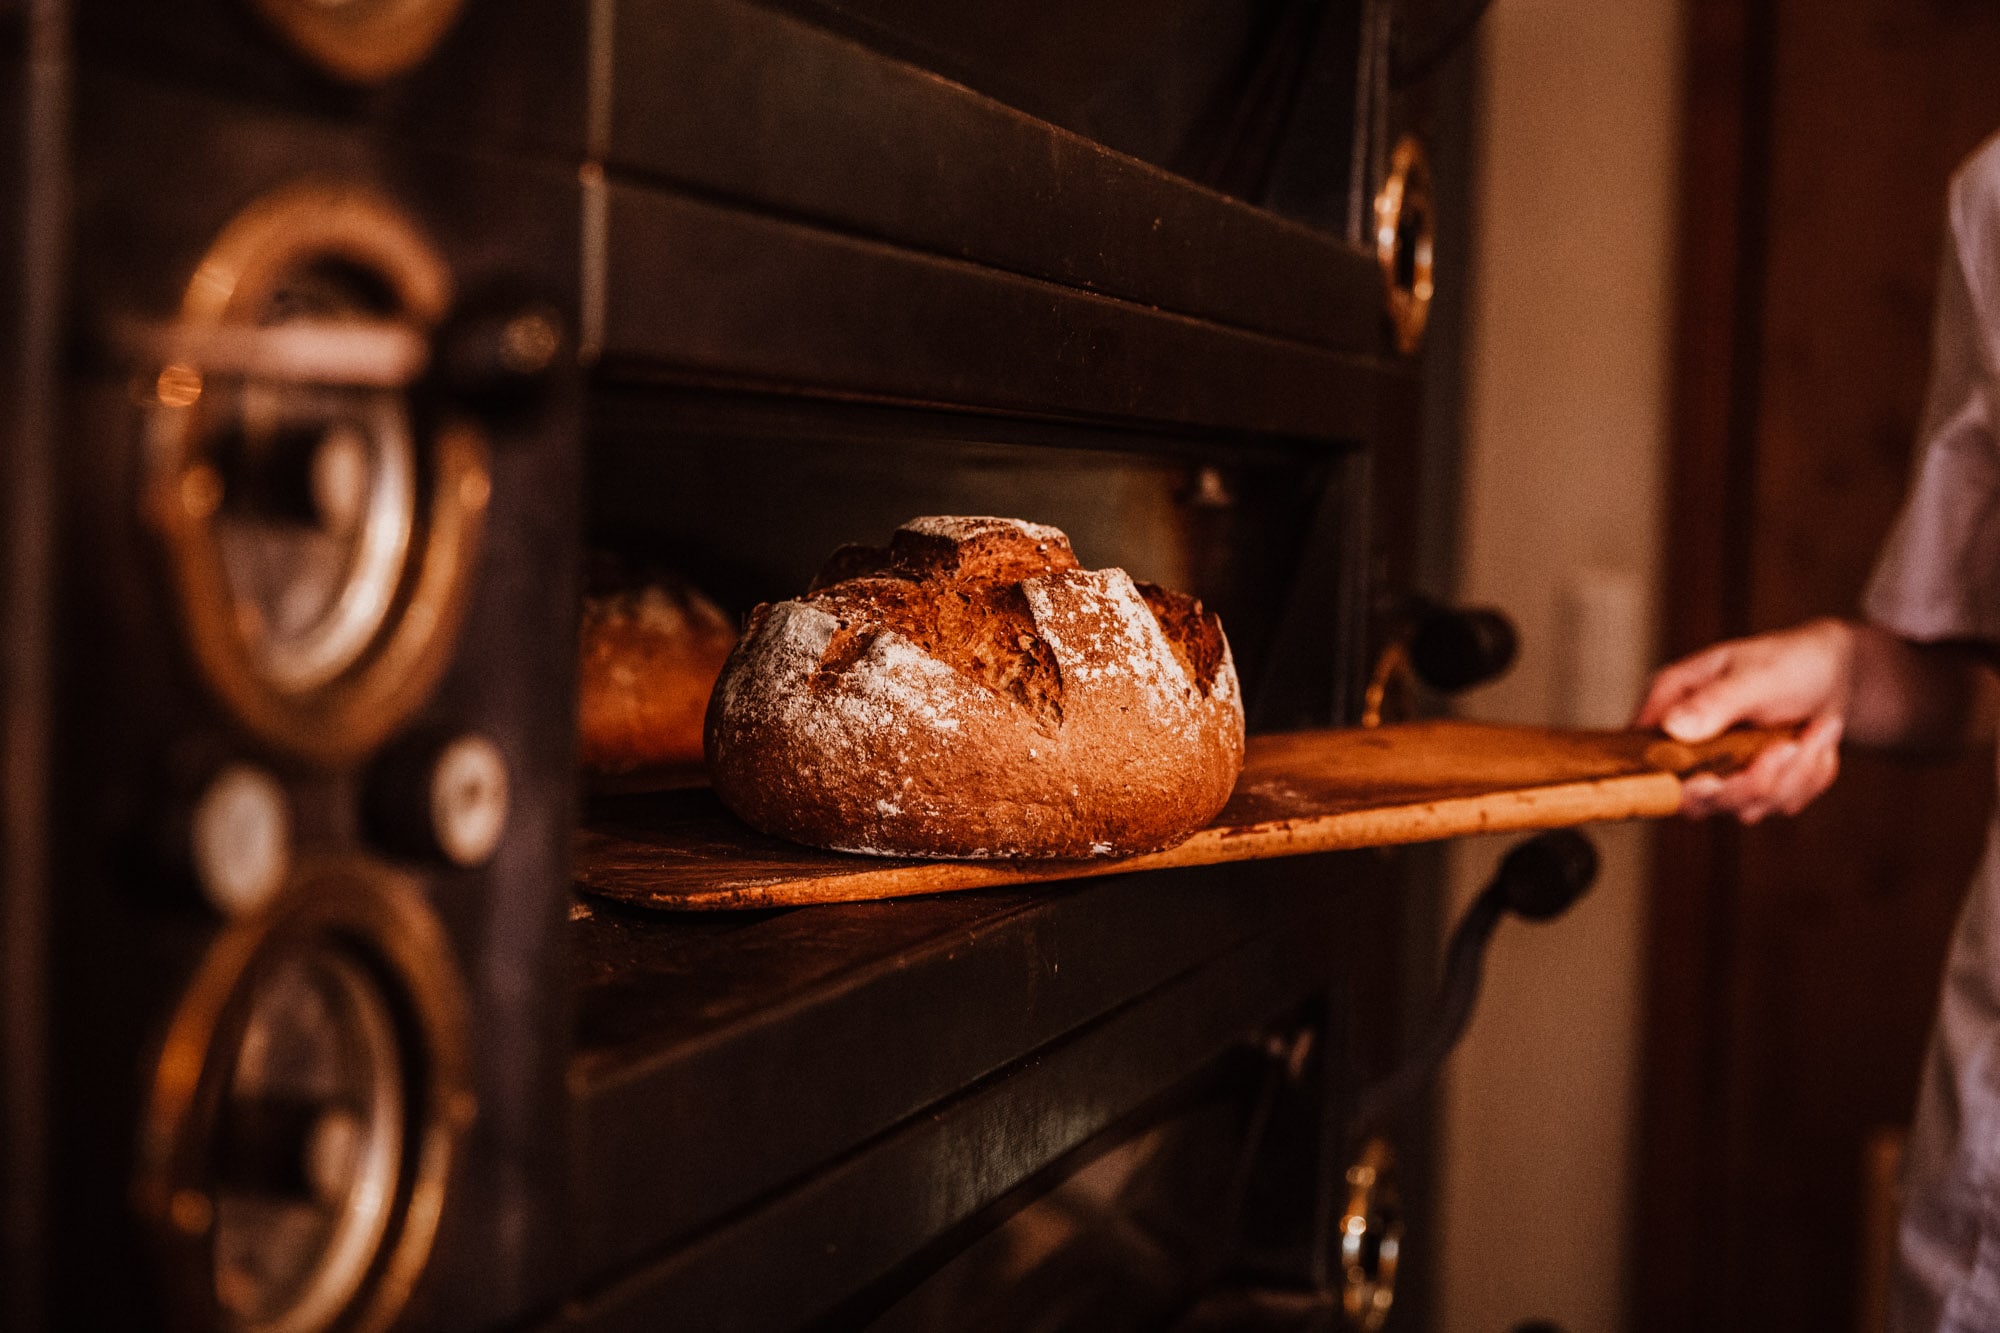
739, 500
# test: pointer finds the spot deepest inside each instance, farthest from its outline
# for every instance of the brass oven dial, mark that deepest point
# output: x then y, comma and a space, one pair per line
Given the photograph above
1371, 1239
322, 534
1405, 241
362, 41
307, 1104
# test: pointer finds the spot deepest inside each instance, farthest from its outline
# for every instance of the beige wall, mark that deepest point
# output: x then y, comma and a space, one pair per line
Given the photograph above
1567, 365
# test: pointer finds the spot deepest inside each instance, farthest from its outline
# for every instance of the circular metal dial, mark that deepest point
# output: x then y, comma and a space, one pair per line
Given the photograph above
1405, 243
319, 501
322, 537
310, 1143
362, 41
306, 1107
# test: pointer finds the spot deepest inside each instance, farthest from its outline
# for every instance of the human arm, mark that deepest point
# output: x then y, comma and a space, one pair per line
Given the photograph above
1836, 678
1914, 676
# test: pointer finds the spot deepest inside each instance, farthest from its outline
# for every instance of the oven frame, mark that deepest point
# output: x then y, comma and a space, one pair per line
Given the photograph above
705, 185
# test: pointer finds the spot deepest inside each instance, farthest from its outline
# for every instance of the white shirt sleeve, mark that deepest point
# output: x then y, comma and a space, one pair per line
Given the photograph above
1938, 576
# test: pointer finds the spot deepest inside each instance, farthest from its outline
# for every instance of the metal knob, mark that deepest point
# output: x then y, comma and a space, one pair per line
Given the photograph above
468, 800
493, 353
441, 797
1456, 649
1449, 649
240, 839
1371, 1239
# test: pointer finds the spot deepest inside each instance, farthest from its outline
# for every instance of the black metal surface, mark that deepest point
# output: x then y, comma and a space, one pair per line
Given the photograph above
716, 294
1182, 84
795, 1039
509, 75
1118, 1236
160, 170
727, 100
1320, 170
34, 112
915, 1025
1316, 659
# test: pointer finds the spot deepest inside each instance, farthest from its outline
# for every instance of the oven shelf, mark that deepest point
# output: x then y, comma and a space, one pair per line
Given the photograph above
1305, 791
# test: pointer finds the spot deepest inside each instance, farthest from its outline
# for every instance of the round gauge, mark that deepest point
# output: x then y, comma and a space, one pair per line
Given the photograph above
317, 508
1405, 243
309, 1145
306, 1108
362, 41
323, 536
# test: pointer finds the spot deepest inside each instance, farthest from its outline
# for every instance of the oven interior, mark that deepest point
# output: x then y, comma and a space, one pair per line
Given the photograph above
745, 497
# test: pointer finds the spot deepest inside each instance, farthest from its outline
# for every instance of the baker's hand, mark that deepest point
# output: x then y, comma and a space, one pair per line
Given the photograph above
1801, 675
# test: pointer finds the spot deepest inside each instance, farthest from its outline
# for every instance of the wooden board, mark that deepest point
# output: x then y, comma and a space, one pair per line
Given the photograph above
1308, 791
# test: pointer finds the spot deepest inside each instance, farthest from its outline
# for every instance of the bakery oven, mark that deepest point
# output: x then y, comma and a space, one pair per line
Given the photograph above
344, 334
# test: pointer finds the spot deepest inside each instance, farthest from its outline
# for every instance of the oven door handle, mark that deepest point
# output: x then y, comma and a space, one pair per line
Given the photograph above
1538, 881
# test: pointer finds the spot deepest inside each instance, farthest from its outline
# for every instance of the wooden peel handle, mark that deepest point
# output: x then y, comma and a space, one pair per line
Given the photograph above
1728, 753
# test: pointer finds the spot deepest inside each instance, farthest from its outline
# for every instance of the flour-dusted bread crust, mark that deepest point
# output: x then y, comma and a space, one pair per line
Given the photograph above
971, 692
649, 658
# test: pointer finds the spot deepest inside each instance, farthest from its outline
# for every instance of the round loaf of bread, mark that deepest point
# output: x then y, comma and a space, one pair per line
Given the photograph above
970, 691
650, 655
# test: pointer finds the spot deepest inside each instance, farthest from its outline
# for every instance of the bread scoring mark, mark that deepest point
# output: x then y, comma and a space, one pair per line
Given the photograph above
1100, 628
791, 637
852, 561
967, 611
1192, 632
861, 723
985, 550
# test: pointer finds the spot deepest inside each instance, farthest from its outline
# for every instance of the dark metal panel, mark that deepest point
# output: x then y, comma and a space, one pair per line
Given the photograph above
1195, 86
824, 1241
783, 1044
161, 170
1313, 670
1322, 172
508, 73
700, 291
513, 681
763, 109
33, 172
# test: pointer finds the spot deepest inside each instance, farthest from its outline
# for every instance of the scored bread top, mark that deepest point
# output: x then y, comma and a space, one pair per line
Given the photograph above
958, 588
971, 690
956, 594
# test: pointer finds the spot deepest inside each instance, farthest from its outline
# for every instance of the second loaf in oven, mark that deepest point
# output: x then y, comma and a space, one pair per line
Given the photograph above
971, 691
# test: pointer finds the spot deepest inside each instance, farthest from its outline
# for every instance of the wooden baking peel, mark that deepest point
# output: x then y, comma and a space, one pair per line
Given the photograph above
1304, 791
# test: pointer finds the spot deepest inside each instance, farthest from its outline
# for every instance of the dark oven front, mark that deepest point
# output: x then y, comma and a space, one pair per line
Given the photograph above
377, 322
